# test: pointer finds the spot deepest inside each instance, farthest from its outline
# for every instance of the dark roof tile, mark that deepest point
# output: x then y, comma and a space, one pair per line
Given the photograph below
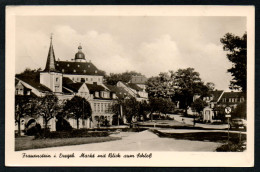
34, 83
77, 68
120, 92
94, 87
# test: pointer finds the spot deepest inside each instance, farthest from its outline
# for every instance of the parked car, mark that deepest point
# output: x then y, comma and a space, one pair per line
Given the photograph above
238, 123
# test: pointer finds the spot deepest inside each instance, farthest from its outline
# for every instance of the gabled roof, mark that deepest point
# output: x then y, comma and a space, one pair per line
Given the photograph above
66, 80
73, 86
232, 95
94, 87
16, 81
120, 92
134, 86
216, 95
77, 68
25, 88
34, 82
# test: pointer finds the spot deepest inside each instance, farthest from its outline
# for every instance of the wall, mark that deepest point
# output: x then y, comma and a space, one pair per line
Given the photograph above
49, 80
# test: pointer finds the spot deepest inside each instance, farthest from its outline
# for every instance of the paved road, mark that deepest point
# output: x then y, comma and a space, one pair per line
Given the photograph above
142, 141
190, 122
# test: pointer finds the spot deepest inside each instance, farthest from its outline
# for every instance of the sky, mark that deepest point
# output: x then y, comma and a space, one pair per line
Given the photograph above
145, 44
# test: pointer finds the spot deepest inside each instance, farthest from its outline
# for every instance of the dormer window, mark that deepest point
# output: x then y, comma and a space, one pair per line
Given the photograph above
62, 70
68, 65
74, 70
96, 94
88, 66
95, 71
84, 71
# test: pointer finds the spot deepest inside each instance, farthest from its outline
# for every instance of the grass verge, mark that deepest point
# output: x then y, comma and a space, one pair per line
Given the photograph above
26, 143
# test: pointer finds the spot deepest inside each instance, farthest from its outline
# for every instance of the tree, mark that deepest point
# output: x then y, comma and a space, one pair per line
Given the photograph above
211, 86
239, 111
113, 78
237, 55
77, 108
22, 107
30, 74
166, 106
117, 110
143, 110
188, 83
47, 107
130, 108
198, 105
160, 105
160, 86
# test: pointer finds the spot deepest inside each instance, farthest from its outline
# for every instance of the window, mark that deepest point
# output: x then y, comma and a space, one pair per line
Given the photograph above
56, 88
84, 71
98, 109
91, 79
74, 70
95, 107
68, 65
86, 79
95, 71
82, 80
78, 65
57, 64
57, 79
62, 70
88, 66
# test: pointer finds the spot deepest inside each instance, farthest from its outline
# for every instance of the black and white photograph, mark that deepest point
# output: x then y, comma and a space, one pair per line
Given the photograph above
131, 85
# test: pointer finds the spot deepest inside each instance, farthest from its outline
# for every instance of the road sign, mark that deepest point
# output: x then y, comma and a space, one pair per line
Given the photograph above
228, 116
228, 110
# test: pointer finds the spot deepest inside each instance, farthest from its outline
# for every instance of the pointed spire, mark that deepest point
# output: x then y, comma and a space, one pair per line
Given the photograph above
50, 65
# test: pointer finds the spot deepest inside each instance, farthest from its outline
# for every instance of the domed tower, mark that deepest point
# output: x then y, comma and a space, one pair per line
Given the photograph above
80, 56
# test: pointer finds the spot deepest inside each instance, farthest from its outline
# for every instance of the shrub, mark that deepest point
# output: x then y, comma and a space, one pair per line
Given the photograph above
63, 125
231, 147
73, 133
35, 130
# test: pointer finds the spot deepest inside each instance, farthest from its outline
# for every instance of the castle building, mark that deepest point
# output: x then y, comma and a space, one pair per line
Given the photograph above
78, 77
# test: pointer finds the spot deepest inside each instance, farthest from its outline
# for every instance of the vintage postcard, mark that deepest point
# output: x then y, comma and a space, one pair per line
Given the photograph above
165, 86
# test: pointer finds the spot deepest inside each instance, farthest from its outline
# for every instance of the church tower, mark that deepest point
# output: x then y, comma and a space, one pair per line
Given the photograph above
51, 77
